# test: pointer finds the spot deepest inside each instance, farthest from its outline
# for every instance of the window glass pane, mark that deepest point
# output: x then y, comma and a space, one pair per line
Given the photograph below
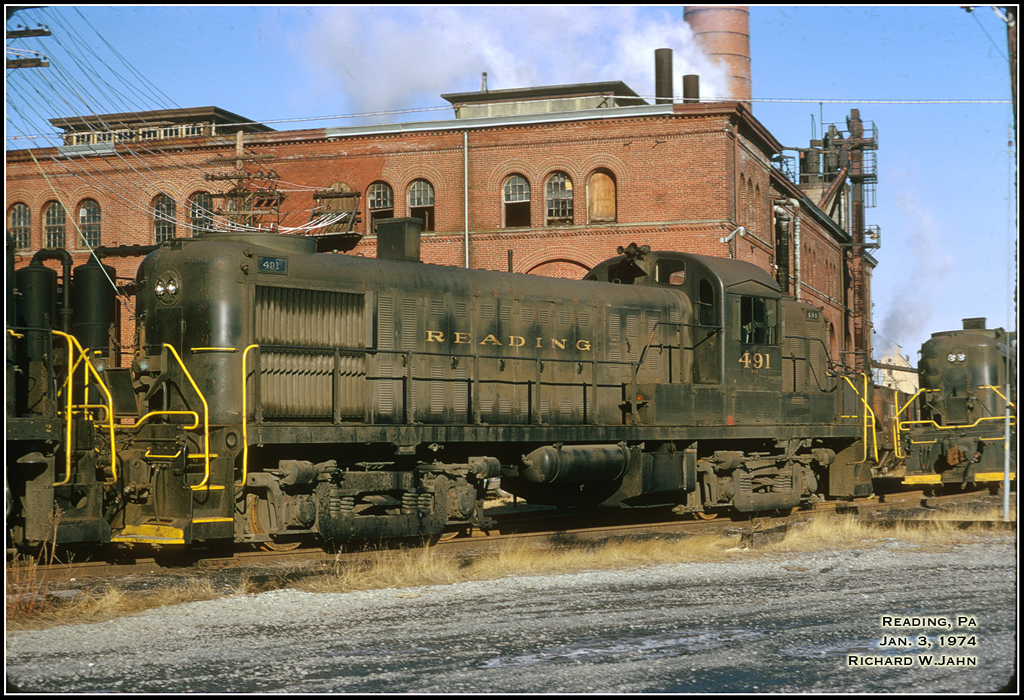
19, 223
164, 213
559, 197
421, 194
670, 272
53, 225
89, 223
517, 189
201, 212
380, 196
757, 320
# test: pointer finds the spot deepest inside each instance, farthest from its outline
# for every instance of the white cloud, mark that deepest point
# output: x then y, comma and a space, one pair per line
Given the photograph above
386, 58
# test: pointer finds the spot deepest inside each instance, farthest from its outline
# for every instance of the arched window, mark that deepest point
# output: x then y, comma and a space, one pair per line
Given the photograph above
421, 203
53, 225
380, 201
200, 213
558, 194
164, 215
742, 196
516, 198
89, 223
754, 208
19, 225
601, 206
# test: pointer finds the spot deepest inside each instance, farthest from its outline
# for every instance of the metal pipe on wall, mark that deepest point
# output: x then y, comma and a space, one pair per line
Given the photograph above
465, 192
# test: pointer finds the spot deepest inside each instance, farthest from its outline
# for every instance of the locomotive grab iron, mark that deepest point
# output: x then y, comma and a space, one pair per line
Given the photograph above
278, 393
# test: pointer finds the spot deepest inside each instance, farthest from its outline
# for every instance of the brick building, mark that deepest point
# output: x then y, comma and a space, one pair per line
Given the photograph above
547, 181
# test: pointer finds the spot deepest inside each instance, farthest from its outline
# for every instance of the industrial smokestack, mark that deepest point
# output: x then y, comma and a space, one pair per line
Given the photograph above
663, 76
691, 89
723, 31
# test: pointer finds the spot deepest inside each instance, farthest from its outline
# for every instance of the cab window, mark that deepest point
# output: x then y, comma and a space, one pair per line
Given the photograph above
758, 320
670, 272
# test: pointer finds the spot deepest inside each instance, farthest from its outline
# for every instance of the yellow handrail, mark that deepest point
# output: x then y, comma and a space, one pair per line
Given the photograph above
903, 426
146, 417
245, 415
958, 426
869, 418
206, 420
896, 423
73, 343
996, 389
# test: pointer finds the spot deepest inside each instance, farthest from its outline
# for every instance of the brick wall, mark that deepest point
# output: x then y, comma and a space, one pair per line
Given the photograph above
682, 181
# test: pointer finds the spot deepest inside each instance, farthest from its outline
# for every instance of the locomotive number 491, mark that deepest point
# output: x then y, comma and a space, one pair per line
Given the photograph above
755, 360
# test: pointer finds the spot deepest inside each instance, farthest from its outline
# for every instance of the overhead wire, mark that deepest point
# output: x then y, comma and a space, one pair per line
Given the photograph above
143, 96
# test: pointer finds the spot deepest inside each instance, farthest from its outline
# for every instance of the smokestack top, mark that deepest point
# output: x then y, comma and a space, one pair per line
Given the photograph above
663, 90
723, 32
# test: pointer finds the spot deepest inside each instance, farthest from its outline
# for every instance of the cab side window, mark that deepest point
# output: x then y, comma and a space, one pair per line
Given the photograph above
758, 320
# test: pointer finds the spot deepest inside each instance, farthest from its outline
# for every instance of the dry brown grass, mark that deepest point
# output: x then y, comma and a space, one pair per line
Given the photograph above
431, 567
39, 608
847, 532
968, 514
30, 603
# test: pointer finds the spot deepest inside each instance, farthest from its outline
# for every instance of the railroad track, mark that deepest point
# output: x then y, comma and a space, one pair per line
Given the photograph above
524, 527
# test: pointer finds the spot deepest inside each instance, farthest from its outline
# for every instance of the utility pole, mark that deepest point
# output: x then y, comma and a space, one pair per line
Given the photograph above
246, 203
40, 62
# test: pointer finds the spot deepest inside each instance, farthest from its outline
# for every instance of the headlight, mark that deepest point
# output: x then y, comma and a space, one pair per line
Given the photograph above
160, 290
961, 357
951, 357
172, 286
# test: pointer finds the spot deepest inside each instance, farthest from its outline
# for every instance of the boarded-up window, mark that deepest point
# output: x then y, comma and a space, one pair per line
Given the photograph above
601, 197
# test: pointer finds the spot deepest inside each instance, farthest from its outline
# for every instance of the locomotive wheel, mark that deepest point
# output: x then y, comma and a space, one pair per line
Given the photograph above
451, 535
275, 547
267, 546
703, 515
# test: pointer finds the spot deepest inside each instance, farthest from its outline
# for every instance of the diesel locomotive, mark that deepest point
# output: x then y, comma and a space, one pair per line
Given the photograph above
967, 406
278, 393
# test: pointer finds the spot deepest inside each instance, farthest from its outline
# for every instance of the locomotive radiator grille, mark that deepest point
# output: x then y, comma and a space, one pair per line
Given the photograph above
312, 363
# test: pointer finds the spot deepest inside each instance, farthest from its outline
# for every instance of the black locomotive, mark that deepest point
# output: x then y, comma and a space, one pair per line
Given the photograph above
280, 393
967, 406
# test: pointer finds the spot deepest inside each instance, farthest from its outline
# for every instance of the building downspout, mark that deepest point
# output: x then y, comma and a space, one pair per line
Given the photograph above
782, 218
465, 192
796, 256
794, 213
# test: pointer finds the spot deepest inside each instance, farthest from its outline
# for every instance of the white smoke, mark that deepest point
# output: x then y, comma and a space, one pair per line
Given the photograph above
925, 270
387, 58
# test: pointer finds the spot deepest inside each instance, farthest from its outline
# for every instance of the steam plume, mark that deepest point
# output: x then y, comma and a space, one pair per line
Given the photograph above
393, 57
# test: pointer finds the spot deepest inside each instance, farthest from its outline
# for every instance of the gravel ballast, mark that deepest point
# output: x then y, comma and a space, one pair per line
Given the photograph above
852, 620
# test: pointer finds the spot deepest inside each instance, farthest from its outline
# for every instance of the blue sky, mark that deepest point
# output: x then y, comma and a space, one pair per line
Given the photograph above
946, 199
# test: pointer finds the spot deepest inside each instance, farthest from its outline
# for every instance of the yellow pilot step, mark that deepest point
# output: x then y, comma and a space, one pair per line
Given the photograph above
937, 478
150, 533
